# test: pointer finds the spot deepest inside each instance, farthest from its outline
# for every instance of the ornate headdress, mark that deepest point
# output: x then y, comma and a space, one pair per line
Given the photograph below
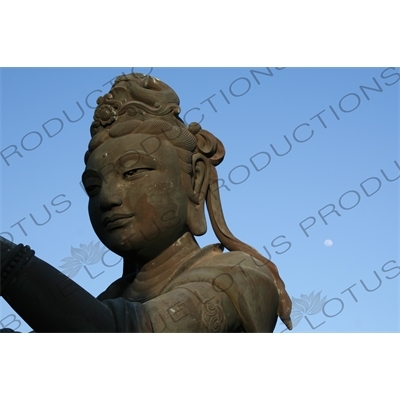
136, 96
140, 103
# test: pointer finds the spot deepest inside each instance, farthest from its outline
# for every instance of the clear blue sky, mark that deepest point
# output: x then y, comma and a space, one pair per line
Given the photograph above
303, 181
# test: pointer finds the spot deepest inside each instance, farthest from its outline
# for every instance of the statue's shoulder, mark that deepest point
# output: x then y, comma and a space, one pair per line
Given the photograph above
227, 269
236, 275
213, 257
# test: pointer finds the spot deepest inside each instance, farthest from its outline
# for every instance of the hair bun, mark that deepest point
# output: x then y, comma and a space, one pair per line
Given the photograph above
207, 144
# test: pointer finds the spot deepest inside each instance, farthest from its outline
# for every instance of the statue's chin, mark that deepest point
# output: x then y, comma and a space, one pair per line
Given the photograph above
136, 246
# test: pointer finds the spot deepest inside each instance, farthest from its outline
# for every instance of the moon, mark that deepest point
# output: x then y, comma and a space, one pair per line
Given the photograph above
328, 243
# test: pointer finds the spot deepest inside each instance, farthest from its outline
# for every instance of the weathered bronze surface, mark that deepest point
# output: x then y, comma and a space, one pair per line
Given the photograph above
148, 177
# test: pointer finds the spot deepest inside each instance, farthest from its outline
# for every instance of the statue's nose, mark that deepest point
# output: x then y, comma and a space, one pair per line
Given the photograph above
110, 197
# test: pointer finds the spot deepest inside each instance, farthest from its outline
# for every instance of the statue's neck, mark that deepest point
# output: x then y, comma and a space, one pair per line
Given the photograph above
151, 278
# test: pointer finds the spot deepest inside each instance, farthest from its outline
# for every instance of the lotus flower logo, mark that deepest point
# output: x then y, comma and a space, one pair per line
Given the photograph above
81, 257
306, 305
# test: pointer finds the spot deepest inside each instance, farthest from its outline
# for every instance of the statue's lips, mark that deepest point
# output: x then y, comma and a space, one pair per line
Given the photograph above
116, 220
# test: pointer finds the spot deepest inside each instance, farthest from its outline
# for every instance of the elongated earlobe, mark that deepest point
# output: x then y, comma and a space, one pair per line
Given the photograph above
201, 178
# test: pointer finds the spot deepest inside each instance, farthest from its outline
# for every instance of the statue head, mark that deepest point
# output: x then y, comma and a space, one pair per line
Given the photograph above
141, 152
148, 175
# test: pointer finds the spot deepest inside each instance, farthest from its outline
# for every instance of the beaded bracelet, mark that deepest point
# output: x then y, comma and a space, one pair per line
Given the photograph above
12, 262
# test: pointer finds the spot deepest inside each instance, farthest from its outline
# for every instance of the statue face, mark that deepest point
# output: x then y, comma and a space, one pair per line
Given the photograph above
137, 202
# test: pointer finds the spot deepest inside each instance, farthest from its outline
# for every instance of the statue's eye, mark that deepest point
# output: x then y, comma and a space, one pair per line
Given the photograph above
135, 172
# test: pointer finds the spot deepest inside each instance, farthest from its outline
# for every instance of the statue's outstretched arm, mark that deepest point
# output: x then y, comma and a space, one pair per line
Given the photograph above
47, 299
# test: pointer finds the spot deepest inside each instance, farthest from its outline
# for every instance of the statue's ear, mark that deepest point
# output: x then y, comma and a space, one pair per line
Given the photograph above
201, 178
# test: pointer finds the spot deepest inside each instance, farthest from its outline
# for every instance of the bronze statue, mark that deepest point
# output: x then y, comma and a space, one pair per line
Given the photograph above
148, 177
